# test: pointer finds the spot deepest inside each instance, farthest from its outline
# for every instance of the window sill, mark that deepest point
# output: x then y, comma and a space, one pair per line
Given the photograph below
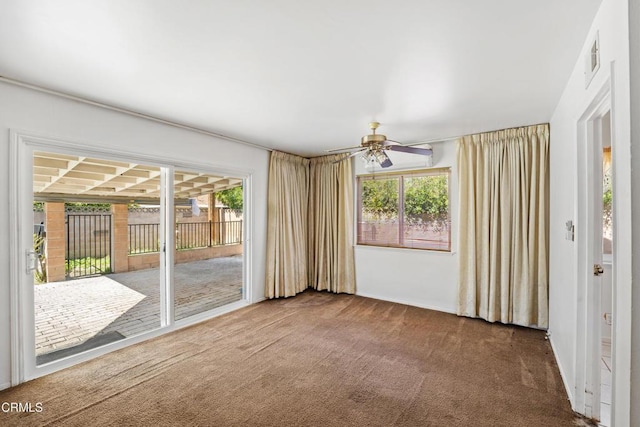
394, 248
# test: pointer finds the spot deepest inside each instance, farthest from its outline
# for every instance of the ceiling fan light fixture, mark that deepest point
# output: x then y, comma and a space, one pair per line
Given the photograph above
380, 156
368, 158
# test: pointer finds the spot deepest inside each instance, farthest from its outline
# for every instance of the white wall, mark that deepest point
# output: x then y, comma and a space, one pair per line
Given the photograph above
612, 23
32, 111
416, 277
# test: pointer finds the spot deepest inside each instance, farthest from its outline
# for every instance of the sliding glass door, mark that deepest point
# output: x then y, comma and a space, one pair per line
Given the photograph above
117, 249
208, 242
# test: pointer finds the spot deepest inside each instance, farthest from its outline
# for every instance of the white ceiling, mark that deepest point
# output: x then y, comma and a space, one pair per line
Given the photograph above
305, 76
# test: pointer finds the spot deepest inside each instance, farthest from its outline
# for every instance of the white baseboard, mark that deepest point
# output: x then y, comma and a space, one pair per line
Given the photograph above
5, 386
407, 302
567, 387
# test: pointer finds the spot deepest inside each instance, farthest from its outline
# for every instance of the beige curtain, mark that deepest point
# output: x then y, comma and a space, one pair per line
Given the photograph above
331, 259
504, 223
287, 225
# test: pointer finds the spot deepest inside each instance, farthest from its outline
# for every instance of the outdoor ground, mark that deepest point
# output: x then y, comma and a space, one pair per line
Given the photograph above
76, 315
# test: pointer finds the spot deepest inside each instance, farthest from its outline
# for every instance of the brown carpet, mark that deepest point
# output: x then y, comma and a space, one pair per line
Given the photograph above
317, 359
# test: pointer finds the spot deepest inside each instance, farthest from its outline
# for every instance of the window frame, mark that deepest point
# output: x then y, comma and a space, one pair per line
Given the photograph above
401, 175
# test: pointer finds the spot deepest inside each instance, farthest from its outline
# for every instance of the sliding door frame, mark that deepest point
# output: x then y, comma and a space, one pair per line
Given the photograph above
22, 146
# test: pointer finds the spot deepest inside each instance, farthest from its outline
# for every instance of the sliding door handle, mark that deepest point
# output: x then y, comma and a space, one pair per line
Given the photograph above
597, 269
31, 261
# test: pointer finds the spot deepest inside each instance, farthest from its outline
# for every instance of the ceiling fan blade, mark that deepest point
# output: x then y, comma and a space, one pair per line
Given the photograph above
390, 142
411, 150
355, 153
339, 150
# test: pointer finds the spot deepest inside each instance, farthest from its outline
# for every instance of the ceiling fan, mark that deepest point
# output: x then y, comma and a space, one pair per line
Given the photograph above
374, 146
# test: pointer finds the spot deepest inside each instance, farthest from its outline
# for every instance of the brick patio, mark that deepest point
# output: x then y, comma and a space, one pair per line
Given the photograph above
92, 311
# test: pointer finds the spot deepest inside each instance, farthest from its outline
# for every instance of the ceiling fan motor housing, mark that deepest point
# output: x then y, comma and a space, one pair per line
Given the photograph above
373, 139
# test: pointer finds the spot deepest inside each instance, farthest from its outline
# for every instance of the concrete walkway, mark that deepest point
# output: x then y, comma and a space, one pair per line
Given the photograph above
75, 315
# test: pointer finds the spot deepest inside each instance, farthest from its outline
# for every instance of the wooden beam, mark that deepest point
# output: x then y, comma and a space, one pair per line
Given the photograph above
50, 163
86, 167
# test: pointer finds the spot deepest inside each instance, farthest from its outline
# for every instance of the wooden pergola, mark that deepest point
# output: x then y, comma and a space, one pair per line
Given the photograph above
56, 177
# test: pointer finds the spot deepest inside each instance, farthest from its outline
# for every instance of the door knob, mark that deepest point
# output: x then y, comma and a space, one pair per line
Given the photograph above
597, 269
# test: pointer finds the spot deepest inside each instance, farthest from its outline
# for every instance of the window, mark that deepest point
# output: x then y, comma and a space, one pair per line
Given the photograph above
406, 210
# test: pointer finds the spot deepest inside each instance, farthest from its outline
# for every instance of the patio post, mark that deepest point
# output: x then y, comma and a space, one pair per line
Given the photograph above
214, 218
56, 245
120, 218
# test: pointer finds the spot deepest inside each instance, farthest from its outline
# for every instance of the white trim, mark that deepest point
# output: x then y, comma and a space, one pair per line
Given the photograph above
71, 146
130, 112
563, 375
397, 248
15, 297
247, 234
167, 311
406, 302
621, 351
5, 386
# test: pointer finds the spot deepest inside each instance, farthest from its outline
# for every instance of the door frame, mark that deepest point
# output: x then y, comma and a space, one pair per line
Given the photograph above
588, 252
22, 144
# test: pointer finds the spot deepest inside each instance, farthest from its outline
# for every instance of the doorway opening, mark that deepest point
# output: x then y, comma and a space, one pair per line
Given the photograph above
595, 262
605, 212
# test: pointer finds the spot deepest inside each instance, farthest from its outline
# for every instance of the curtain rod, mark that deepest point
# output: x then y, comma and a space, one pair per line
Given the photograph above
129, 112
451, 138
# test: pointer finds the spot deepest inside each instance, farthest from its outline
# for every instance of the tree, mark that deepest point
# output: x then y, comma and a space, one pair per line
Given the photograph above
231, 198
426, 198
607, 204
380, 197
